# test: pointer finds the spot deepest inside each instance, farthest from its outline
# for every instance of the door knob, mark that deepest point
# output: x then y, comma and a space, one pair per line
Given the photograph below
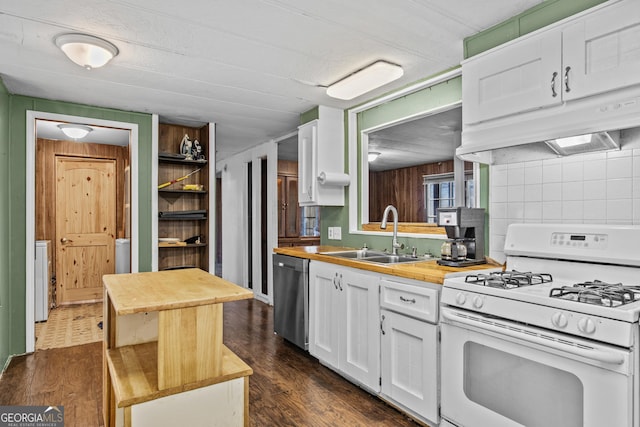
65, 240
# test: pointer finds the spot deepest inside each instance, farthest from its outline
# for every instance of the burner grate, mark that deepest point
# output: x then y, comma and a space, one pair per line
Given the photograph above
598, 292
508, 279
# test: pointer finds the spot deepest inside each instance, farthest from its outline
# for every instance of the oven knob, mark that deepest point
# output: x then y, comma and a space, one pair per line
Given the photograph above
477, 302
559, 320
461, 298
586, 325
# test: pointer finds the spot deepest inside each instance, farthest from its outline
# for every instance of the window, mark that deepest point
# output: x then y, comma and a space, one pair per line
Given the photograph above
439, 192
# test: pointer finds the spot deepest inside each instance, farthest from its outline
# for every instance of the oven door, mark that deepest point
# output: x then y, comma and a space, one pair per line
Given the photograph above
499, 373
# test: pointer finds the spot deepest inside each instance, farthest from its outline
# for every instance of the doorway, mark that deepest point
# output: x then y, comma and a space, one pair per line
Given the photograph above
126, 218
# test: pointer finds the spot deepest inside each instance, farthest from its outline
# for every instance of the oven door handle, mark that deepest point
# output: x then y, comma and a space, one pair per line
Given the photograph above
593, 354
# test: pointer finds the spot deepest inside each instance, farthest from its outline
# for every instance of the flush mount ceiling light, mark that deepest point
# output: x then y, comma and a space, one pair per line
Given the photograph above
371, 77
85, 50
584, 143
372, 155
75, 131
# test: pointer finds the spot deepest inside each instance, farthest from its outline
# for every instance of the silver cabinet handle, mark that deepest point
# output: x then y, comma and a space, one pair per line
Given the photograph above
410, 301
553, 84
566, 79
340, 282
382, 326
335, 278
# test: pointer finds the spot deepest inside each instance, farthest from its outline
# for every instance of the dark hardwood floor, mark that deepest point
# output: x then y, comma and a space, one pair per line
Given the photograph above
288, 386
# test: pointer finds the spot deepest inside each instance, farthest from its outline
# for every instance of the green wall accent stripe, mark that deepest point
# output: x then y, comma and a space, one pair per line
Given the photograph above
533, 19
310, 115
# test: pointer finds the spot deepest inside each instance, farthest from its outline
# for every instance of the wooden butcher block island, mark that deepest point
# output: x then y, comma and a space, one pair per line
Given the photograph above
165, 363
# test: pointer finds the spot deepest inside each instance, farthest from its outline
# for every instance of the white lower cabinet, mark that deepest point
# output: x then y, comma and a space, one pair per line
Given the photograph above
410, 347
378, 331
410, 363
344, 328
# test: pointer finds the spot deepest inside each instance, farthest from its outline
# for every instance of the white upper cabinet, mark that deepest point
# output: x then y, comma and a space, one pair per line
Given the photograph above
597, 51
517, 78
602, 51
321, 155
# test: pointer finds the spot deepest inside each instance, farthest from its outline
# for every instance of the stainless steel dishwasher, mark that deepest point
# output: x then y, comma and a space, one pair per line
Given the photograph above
291, 299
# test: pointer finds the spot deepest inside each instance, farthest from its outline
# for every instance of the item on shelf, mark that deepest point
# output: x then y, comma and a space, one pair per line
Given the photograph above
193, 187
196, 152
194, 239
186, 147
182, 178
168, 239
171, 156
189, 214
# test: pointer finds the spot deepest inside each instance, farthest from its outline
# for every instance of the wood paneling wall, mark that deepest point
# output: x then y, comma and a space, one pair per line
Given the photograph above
46, 152
403, 188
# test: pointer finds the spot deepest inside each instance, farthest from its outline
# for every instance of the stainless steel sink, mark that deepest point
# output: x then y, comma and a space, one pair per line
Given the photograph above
355, 254
373, 256
391, 259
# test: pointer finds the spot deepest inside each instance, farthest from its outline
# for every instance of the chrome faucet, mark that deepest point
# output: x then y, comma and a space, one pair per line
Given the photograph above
394, 243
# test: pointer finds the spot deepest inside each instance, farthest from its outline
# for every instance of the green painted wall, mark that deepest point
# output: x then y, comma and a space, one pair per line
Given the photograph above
5, 247
537, 17
14, 185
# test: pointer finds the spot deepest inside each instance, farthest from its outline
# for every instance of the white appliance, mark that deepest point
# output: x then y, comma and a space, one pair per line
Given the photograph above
552, 345
123, 256
42, 280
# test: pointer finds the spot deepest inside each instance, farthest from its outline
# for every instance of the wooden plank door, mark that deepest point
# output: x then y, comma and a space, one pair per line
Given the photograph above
85, 227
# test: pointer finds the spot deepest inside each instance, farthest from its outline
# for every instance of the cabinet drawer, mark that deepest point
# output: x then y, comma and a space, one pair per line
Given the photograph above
414, 301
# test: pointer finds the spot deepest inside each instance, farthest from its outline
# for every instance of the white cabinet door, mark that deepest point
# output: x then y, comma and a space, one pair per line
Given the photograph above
321, 151
602, 51
344, 321
307, 163
410, 363
360, 355
325, 307
516, 78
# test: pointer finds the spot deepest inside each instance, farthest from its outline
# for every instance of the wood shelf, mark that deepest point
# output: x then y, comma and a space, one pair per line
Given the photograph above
182, 219
188, 245
134, 373
174, 198
162, 190
184, 162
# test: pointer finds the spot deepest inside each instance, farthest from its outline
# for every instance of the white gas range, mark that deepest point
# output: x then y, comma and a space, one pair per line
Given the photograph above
552, 341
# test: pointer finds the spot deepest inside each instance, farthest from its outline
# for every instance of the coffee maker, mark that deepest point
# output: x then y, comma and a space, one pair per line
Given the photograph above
465, 232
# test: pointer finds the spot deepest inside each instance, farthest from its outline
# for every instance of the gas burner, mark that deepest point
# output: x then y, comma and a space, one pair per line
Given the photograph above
598, 293
508, 279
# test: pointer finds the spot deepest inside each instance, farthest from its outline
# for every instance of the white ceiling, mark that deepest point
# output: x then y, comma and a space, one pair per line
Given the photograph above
251, 66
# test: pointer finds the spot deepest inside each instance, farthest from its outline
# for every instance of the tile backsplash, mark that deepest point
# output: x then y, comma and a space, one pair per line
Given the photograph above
595, 188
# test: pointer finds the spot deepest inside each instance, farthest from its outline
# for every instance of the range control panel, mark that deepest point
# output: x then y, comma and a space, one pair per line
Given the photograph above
585, 241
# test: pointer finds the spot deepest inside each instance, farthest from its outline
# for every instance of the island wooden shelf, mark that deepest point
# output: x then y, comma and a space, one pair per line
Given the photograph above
134, 372
163, 337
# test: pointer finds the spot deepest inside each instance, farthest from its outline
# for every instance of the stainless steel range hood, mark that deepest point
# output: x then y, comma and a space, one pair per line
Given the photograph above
522, 136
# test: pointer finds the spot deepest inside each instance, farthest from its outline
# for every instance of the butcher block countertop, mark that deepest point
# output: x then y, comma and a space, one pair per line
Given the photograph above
170, 289
426, 270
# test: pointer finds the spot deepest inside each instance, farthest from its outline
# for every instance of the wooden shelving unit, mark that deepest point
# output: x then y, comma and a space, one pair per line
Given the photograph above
163, 337
175, 199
